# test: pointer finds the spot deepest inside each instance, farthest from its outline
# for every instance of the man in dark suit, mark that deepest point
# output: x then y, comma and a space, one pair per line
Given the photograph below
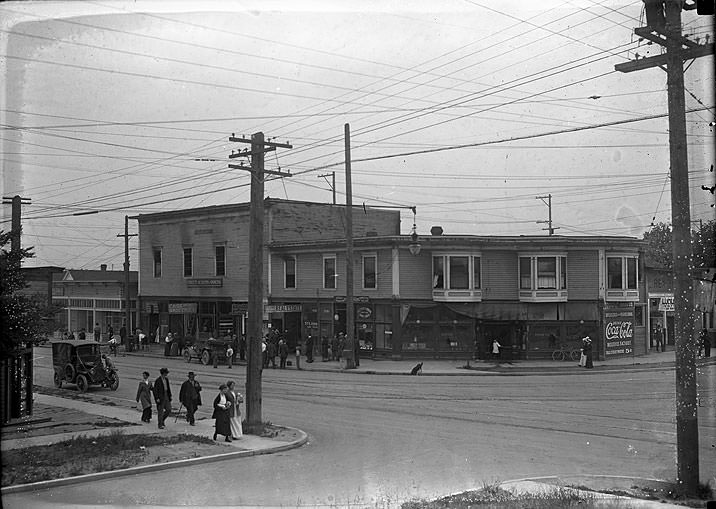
163, 397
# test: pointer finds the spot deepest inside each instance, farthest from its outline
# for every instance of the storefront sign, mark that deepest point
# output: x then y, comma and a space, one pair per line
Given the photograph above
618, 331
364, 313
239, 308
666, 303
182, 308
283, 308
204, 282
151, 307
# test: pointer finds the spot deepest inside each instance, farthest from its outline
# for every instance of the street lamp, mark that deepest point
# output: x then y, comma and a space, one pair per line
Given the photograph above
414, 245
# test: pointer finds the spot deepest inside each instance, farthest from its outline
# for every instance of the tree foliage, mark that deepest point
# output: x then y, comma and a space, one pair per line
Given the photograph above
22, 317
703, 246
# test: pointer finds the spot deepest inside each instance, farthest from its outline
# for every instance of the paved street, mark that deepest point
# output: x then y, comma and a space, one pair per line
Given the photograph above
377, 440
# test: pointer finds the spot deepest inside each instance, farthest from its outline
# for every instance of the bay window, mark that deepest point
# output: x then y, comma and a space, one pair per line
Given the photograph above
542, 277
457, 277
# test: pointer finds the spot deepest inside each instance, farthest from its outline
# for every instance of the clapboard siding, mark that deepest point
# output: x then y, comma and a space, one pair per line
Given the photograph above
499, 275
583, 274
416, 279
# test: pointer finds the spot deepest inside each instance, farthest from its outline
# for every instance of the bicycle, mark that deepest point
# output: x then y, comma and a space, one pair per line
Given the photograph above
564, 353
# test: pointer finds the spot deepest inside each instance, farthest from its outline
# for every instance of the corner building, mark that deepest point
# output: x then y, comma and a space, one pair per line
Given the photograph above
448, 299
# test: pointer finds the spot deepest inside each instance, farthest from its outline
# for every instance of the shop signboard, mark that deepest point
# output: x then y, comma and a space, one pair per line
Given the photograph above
666, 303
239, 308
205, 282
283, 308
182, 308
364, 313
618, 331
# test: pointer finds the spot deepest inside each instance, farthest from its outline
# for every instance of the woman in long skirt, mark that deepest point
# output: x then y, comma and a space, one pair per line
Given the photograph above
235, 411
221, 413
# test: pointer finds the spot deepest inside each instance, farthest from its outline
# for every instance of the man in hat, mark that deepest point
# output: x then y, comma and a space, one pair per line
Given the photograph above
190, 397
163, 397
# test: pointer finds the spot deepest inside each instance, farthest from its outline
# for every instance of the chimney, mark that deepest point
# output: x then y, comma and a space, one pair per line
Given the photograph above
103, 266
436, 230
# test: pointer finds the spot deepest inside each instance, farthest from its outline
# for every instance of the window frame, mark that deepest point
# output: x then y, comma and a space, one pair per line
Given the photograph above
374, 257
561, 278
157, 273
443, 278
334, 277
187, 273
628, 271
286, 274
216, 260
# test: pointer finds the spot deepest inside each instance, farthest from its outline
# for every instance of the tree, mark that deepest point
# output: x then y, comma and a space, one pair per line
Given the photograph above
703, 246
22, 318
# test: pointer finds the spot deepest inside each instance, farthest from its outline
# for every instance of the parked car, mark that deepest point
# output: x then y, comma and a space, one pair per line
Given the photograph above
206, 349
80, 362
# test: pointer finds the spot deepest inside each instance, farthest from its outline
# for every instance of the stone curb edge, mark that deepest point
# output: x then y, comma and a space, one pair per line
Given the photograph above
53, 483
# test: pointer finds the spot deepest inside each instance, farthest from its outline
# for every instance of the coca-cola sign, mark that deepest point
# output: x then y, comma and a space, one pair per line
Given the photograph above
618, 331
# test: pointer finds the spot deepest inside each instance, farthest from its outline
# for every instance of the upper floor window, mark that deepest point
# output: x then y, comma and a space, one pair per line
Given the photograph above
539, 272
370, 270
289, 269
220, 260
157, 255
329, 272
188, 262
622, 272
456, 272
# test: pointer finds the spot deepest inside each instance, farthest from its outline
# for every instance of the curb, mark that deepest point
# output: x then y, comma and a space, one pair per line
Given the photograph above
53, 483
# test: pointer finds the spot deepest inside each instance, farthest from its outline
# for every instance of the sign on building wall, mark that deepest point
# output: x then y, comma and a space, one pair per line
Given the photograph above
618, 330
204, 282
182, 308
666, 303
283, 308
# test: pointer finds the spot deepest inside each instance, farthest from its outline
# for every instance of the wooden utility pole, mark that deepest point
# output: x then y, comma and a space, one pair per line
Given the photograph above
350, 311
16, 220
549, 221
665, 29
333, 183
127, 312
256, 267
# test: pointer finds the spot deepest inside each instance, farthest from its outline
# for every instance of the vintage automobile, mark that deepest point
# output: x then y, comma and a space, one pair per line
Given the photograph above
80, 362
206, 349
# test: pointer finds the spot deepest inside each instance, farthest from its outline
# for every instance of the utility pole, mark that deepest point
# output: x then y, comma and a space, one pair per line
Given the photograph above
256, 265
350, 317
549, 206
665, 29
17, 202
127, 312
333, 185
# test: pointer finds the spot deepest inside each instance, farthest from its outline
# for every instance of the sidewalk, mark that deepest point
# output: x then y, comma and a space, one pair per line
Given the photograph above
444, 367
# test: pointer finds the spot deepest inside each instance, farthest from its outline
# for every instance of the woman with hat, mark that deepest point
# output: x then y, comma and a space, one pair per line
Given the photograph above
587, 350
221, 414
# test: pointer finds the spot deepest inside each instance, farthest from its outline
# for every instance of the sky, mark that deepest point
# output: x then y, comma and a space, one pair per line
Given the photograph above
467, 110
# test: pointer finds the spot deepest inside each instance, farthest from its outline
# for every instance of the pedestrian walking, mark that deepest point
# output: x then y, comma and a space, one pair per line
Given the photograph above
163, 397
229, 355
309, 349
496, 349
334, 347
190, 397
583, 356
144, 397
282, 353
264, 354
356, 352
588, 353
236, 398
272, 351
221, 414
142, 338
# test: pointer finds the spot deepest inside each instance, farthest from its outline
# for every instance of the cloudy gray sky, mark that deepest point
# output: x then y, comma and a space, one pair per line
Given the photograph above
466, 109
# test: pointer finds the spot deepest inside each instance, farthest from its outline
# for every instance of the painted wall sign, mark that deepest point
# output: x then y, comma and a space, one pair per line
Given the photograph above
182, 307
618, 332
666, 303
205, 282
283, 308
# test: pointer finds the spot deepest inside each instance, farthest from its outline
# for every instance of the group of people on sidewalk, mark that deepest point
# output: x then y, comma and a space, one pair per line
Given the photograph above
227, 412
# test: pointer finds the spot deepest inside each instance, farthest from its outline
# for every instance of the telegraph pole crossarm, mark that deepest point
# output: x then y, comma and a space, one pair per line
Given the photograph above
127, 300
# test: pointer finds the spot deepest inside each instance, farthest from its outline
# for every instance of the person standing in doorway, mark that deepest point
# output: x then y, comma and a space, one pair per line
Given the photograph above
496, 349
190, 397
163, 397
659, 337
144, 397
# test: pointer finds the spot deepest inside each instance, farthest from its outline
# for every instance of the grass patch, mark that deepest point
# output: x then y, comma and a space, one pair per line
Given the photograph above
262, 429
84, 455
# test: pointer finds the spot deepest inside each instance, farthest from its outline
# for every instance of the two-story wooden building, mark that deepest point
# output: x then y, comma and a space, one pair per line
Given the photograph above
450, 299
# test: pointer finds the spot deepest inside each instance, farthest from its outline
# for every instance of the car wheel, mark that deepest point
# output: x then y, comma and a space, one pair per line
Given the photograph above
205, 357
82, 383
187, 356
70, 373
58, 381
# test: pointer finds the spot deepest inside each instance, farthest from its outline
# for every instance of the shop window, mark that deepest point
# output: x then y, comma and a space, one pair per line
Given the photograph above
220, 260
188, 262
370, 281
157, 262
289, 270
329, 272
